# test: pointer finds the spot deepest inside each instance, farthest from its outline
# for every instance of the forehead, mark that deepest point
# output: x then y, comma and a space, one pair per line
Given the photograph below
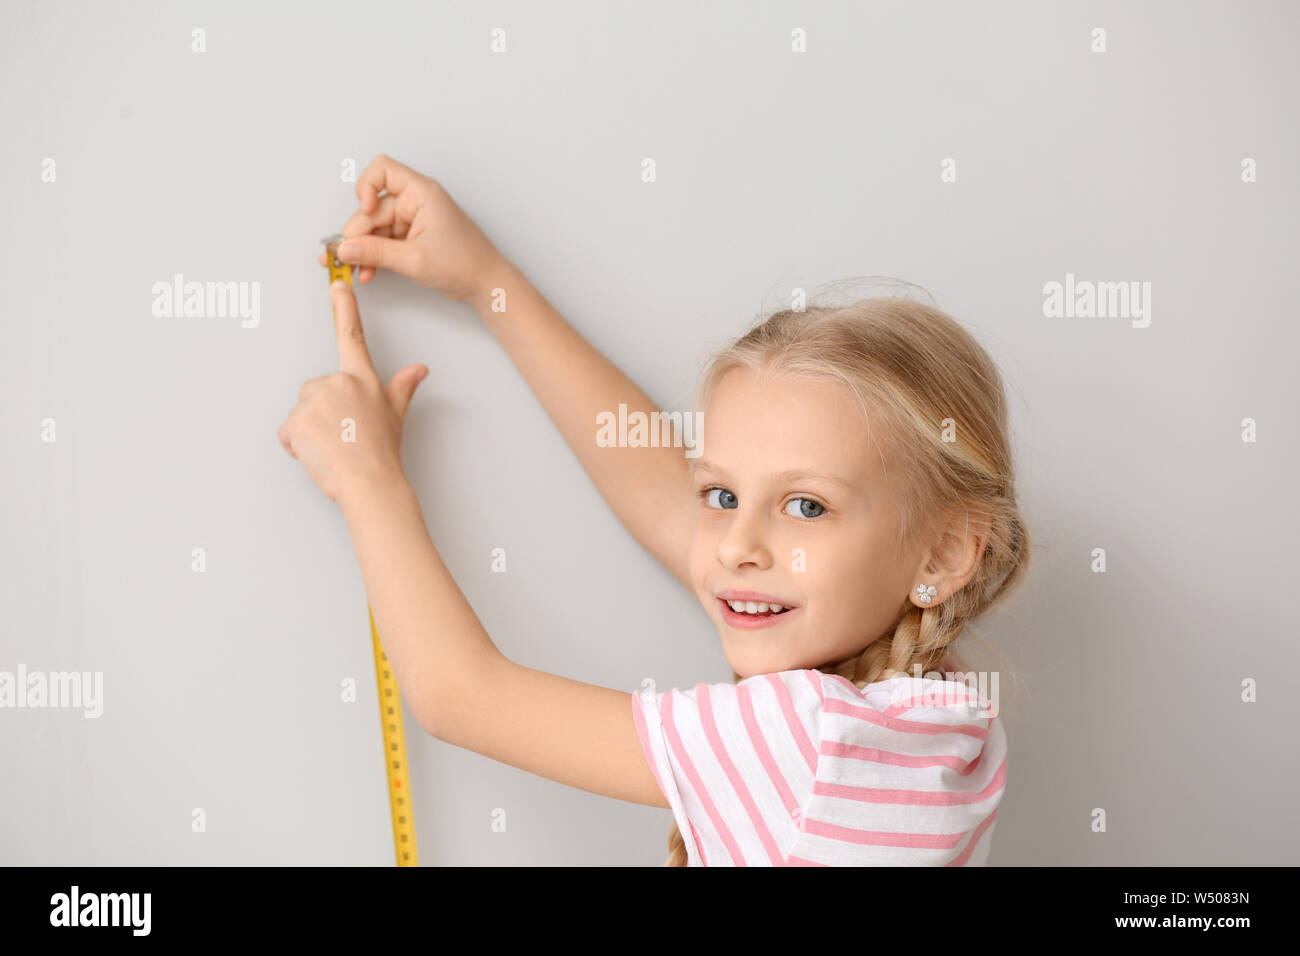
771, 424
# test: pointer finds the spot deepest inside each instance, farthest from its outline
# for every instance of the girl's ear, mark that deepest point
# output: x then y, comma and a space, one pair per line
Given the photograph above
953, 561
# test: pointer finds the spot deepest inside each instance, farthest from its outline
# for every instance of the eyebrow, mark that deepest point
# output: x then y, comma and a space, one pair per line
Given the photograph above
788, 475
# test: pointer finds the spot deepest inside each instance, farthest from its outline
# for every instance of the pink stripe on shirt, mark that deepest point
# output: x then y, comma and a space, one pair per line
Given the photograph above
832, 748
759, 743
737, 784
805, 769
680, 750
928, 798
864, 712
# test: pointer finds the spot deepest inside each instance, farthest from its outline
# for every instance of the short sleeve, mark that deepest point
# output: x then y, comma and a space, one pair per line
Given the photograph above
736, 762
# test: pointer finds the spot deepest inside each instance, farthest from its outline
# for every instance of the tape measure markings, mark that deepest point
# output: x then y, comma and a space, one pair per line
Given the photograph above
390, 696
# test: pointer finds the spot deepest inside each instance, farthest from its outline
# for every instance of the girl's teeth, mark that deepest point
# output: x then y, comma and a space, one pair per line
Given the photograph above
751, 607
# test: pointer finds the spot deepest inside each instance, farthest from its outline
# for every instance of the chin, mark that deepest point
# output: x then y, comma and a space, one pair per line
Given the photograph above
752, 655
751, 665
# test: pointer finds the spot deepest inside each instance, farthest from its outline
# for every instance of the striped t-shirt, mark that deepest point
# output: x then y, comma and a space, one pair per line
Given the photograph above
803, 768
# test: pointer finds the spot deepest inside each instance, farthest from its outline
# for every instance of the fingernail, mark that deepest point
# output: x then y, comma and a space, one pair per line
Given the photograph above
347, 251
338, 285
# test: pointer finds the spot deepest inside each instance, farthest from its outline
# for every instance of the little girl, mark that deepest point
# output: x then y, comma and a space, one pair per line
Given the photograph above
852, 509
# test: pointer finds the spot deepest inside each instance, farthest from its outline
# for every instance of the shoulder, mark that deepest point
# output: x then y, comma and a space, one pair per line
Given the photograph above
898, 694
808, 691
787, 702
799, 690
802, 708
914, 715
801, 687
780, 712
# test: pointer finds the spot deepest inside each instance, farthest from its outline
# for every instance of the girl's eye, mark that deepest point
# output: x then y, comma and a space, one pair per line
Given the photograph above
807, 508
724, 499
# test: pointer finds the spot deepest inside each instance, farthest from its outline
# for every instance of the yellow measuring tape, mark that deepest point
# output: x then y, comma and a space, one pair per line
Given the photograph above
390, 698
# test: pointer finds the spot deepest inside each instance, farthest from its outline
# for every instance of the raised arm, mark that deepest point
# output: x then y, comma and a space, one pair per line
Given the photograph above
415, 228
647, 488
461, 688
456, 682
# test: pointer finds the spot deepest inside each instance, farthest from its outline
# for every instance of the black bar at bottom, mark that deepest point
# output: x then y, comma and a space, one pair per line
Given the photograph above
596, 908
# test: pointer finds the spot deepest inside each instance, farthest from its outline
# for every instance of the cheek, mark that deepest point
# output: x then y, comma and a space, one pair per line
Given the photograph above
699, 558
874, 594
852, 580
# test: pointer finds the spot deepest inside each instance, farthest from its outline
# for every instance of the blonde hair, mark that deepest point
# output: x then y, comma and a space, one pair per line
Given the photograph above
913, 367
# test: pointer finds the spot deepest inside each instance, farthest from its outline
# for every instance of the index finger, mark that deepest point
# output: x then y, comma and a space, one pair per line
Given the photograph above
354, 357
386, 173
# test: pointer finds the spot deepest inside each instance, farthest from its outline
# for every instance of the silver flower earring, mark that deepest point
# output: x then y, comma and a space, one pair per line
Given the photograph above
924, 592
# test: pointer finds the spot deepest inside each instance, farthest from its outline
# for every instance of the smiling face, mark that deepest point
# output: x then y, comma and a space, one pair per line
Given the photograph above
794, 507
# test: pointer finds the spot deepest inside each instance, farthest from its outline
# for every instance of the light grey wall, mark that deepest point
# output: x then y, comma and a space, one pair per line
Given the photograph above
775, 170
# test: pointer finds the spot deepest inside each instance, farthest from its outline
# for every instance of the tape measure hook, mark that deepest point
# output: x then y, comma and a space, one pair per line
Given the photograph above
331, 244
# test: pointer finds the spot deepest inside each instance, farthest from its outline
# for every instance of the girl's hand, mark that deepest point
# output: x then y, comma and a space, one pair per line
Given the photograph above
347, 427
416, 229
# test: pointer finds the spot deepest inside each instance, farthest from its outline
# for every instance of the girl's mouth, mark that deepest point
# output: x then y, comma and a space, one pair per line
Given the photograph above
762, 615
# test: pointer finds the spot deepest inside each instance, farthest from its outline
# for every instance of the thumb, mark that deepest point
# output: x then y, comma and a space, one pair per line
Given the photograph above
381, 252
402, 386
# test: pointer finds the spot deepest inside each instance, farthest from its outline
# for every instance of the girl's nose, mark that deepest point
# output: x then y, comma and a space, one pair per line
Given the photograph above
744, 542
